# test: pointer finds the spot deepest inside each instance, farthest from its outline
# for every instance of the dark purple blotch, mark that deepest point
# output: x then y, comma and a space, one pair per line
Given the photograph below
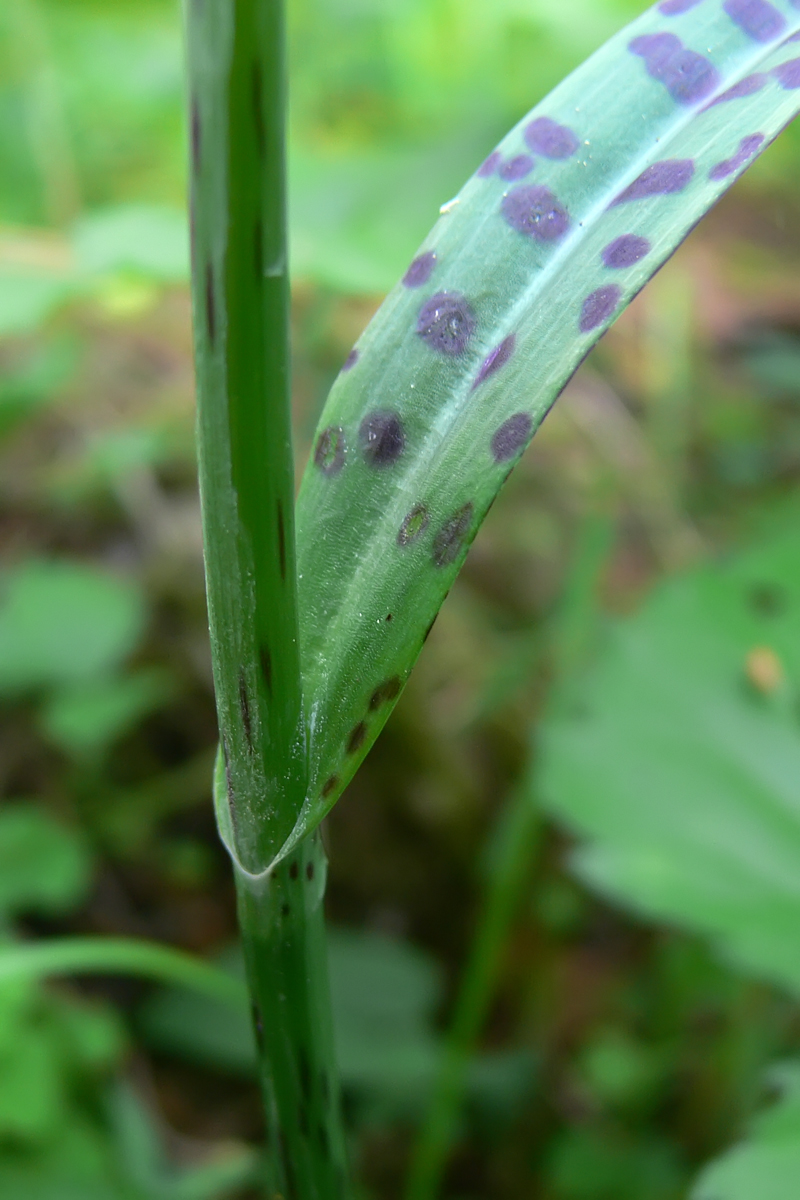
414, 525
745, 87
517, 167
673, 8
446, 323
494, 361
534, 210
330, 449
451, 538
510, 437
660, 179
748, 147
420, 270
382, 438
547, 137
759, 20
489, 165
788, 74
351, 360
625, 251
599, 306
687, 76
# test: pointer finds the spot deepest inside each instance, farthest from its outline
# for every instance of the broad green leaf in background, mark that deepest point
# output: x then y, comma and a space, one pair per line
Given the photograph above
62, 623
766, 1165
529, 264
44, 866
678, 758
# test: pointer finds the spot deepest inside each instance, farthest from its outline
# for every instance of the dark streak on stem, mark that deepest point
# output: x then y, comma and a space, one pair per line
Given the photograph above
196, 137
211, 308
244, 705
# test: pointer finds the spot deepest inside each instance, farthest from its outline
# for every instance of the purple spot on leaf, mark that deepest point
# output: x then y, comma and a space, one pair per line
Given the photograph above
494, 361
688, 77
672, 8
517, 167
660, 179
451, 538
350, 361
747, 148
446, 323
330, 449
534, 210
625, 251
745, 87
420, 270
547, 137
756, 18
510, 437
599, 306
382, 439
489, 165
788, 74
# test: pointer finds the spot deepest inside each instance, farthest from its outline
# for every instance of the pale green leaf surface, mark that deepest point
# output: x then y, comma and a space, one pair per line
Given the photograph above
680, 764
372, 576
766, 1165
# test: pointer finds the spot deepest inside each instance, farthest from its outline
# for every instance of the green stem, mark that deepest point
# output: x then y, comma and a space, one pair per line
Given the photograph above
288, 976
119, 956
240, 293
516, 842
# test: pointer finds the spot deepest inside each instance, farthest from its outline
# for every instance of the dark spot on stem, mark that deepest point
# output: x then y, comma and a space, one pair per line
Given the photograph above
535, 211
196, 137
258, 1026
294, 870
281, 540
452, 537
258, 112
244, 706
330, 785
309, 871
302, 1120
211, 308
285, 909
266, 666
356, 739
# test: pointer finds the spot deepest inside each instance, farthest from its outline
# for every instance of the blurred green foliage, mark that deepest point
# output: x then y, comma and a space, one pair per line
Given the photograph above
619, 1056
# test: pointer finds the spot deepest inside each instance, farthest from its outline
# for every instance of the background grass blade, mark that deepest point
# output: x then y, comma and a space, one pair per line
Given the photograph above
553, 236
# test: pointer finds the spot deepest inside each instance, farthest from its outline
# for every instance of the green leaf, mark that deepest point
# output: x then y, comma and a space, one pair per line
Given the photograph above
62, 623
85, 718
529, 264
148, 241
766, 1165
679, 755
44, 865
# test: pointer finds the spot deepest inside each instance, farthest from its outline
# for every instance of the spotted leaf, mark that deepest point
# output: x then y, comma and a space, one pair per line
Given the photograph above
555, 233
